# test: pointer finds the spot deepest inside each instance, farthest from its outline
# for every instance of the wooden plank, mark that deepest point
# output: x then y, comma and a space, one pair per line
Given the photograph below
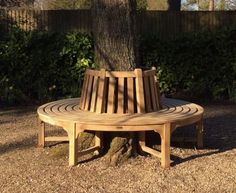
165, 146
73, 146
84, 91
57, 138
151, 151
120, 74
121, 89
147, 94
88, 96
93, 72
149, 73
101, 86
130, 97
94, 95
41, 134
111, 96
98, 142
139, 91
156, 90
153, 93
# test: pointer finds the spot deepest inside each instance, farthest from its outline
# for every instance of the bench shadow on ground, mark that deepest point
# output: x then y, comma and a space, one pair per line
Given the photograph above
219, 136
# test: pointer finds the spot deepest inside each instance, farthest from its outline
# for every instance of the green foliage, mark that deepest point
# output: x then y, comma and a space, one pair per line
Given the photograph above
141, 4
199, 64
42, 66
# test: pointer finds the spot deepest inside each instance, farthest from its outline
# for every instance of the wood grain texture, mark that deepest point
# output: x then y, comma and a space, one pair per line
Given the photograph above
103, 93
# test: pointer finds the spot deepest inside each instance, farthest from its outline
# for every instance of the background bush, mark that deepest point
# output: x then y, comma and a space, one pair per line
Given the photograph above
42, 66
196, 65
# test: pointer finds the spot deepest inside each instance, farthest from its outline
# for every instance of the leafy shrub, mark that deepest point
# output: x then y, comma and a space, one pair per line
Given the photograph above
43, 66
199, 64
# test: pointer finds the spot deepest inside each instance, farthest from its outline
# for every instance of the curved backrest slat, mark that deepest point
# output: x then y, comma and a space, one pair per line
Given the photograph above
120, 92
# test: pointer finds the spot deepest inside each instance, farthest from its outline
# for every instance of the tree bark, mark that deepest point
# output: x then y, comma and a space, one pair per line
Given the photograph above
116, 48
114, 31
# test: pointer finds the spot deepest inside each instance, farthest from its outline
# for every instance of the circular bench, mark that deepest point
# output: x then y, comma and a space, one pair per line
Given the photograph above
77, 115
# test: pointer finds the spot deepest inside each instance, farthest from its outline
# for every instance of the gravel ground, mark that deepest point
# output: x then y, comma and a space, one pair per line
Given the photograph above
25, 168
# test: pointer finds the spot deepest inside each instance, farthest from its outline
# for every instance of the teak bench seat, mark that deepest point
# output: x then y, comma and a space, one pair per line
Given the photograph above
120, 101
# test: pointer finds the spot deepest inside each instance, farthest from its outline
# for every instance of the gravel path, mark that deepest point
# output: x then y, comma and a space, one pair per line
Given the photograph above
24, 168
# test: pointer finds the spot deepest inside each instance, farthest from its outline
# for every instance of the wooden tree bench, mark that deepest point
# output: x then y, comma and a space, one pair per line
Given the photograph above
120, 101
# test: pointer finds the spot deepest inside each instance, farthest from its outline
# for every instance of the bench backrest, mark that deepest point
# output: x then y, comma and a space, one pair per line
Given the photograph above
120, 91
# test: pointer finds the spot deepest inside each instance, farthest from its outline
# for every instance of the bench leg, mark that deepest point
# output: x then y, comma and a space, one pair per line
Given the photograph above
142, 136
73, 146
199, 128
165, 145
41, 134
98, 142
141, 141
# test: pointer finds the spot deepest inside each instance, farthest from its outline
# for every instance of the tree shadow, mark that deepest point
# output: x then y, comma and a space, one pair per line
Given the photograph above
19, 111
18, 145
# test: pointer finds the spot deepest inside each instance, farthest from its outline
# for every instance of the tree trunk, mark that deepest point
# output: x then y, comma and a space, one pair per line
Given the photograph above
114, 27
116, 48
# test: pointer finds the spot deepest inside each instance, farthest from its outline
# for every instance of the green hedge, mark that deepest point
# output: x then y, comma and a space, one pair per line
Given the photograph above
195, 65
41, 66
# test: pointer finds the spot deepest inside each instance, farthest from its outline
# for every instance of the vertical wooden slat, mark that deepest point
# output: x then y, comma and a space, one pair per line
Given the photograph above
153, 93
157, 92
94, 94
111, 95
101, 86
130, 97
84, 91
139, 91
88, 94
121, 89
147, 94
